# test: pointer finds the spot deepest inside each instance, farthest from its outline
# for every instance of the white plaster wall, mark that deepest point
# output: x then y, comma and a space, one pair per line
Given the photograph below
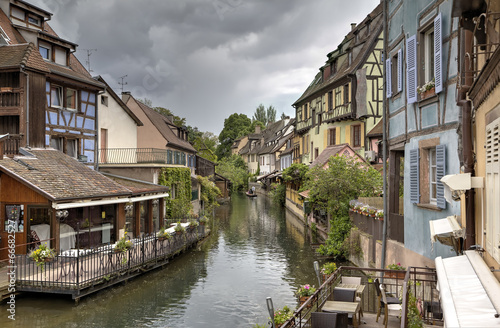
122, 129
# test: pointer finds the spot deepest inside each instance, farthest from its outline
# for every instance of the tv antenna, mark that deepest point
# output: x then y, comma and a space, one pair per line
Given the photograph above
122, 83
89, 53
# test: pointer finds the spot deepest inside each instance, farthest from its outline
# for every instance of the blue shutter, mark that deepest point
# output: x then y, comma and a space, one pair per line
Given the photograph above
414, 176
411, 69
400, 70
169, 157
438, 78
388, 78
440, 172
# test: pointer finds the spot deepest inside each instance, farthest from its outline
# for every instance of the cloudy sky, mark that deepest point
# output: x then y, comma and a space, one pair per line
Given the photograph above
207, 59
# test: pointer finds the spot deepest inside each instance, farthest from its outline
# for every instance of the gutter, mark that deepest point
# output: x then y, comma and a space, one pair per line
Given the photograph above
27, 106
384, 139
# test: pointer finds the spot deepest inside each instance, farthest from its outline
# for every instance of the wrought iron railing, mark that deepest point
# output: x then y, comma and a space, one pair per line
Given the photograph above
421, 282
141, 156
75, 270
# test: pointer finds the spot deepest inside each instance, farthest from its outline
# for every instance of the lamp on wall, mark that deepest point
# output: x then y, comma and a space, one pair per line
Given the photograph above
61, 215
129, 208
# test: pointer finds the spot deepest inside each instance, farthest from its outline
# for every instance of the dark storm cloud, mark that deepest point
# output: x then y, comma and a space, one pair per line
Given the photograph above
207, 59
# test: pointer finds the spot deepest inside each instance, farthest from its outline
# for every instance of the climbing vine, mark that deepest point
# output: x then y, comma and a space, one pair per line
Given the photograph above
178, 179
209, 194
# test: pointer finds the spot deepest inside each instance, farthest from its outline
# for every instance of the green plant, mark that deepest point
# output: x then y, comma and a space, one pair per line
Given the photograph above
193, 224
395, 266
179, 228
379, 214
328, 268
123, 244
427, 86
163, 234
278, 194
259, 326
179, 181
282, 315
414, 315
306, 290
209, 194
203, 220
41, 255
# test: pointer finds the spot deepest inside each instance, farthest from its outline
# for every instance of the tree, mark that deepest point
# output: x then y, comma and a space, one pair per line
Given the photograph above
260, 114
235, 169
177, 121
331, 189
146, 101
271, 115
283, 116
235, 126
206, 144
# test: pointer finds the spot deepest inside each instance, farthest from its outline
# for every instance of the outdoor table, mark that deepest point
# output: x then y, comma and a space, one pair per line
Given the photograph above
349, 307
359, 288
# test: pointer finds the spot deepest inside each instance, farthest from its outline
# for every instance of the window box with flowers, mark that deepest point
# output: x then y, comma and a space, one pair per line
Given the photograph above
395, 267
163, 234
282, 315
304, 292
379, 215
123, 245
427, 90
328, 269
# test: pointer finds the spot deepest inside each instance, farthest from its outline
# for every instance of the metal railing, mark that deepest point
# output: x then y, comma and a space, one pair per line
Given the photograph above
72, 271
397, 283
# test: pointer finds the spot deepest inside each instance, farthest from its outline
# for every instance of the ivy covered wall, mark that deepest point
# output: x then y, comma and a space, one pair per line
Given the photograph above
178, 179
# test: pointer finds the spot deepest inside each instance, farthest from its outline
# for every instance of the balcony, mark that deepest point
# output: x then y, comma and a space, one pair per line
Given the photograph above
303, 125
10, 98
12, 144
338, 113
138, 156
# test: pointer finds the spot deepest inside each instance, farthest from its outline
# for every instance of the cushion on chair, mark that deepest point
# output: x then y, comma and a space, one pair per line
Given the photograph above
328, 320
344, 294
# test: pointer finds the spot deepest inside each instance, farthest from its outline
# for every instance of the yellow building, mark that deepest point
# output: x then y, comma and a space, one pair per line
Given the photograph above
344, 101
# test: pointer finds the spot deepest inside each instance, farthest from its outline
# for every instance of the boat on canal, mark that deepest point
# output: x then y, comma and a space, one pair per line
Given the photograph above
249, 194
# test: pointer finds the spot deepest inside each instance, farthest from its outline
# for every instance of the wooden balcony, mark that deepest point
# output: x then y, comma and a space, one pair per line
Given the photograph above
338, 113
10, 145
10, 100
303, 125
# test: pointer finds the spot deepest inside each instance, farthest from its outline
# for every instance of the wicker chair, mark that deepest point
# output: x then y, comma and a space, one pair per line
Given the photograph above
329, 320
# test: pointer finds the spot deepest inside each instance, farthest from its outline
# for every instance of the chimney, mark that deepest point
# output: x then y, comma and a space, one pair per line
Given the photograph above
125, 96
353, 26
257, 129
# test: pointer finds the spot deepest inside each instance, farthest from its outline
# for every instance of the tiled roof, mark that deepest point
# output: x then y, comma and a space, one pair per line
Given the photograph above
136, 186
59, 177
344, 69
162, 125
330, 151
14, 36
22, 55
72, 74
377, 130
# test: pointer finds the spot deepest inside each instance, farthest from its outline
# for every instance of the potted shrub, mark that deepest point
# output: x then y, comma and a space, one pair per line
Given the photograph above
282, 315
427, 90
193, 224
163, 234
42, 255
203, 220
179, 229
123, 244
304, 292
396, 267
328, 269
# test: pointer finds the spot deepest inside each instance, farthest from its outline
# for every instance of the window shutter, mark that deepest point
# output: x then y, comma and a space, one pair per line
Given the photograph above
169, 157
400, 70
438, 42
388, 78
414, 177
411, 68
440, 172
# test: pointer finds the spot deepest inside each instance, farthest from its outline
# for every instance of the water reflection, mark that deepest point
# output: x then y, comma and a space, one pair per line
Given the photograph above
256, 250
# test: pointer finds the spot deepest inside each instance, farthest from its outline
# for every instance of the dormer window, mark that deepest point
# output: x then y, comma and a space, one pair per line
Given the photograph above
34, 21
45, 52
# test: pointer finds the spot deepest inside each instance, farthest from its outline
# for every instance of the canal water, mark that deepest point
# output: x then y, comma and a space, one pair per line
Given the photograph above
256, 250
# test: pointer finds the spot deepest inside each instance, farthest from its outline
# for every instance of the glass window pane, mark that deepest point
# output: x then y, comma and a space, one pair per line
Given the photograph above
71, 98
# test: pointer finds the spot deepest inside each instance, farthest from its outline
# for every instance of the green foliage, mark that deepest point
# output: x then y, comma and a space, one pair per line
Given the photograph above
414, 316
282, 315
328, 268
260, 114
271, 115
179, 181
296, 173
178, 121
235, 126
209, 194
278, 194
235, 169
332, 188
205, 143
257, 173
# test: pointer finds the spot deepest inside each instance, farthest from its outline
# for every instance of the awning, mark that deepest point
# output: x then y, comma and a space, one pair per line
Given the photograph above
444, 230
304, 193
63, 206
469, 293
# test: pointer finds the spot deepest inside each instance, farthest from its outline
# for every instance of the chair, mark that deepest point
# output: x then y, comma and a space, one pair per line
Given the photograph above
384, 300
344, 294
390, 309
329, 320
354, 281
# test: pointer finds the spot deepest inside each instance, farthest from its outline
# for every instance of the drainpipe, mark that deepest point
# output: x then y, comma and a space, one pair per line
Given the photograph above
384, 141
27, 106
467, 150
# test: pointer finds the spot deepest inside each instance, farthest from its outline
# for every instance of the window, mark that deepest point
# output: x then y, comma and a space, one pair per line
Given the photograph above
330, 100
104, 100
356, 135
394, 74
316, 152
72, 148
71, 98
33, 20
333, 67
57, 143
332, 136
55, 96
338, 97
428, 55
45, 52
346, 94
492, 191
427, 167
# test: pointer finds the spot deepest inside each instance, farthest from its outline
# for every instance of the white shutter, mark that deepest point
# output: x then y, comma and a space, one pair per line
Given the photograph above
438, 42
400, 70
411, 69
493, 189
388, 78
440, 173
414, 176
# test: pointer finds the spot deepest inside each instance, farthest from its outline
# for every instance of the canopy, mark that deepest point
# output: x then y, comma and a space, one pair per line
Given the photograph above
444, 230
469, 293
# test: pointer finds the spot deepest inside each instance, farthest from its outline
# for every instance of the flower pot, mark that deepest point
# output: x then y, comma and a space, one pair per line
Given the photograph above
303, 299
395, 275
48, 259
428, 93
162, 238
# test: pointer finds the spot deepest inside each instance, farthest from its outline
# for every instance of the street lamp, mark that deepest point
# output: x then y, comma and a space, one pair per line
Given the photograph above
270, 308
